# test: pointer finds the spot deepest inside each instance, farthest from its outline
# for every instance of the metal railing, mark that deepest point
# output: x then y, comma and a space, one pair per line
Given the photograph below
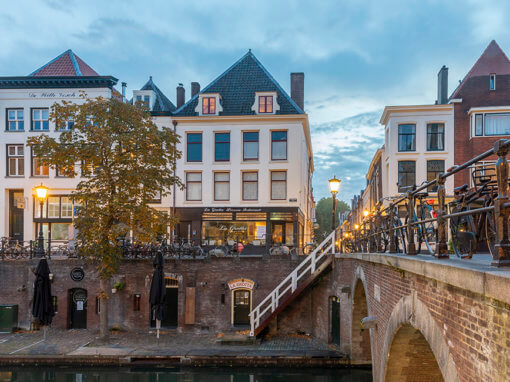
308, 266
484, 206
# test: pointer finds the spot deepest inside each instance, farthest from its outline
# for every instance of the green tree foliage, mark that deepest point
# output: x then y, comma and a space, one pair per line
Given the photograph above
127, 161
323, 212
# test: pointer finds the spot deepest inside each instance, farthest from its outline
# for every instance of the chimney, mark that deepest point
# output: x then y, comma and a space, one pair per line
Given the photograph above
124, 91
195, 89
442, 86
297, 89
180, 96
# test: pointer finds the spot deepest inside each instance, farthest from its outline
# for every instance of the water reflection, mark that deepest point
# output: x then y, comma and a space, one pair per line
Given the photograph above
182, 375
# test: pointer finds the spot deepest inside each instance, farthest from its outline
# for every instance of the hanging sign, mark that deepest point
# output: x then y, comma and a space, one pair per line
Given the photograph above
241, 283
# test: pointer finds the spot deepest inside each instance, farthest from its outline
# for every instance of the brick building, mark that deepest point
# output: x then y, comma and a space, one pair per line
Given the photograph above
481, 107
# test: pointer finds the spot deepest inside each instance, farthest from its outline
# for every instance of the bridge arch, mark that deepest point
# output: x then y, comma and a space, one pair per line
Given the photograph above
413, 336
360, 339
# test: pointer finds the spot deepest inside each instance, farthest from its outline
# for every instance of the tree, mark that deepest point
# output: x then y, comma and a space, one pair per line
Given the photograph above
323, 212
128, 161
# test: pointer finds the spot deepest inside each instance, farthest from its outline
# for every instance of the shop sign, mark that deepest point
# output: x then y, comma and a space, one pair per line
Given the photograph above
230, 209
232, 228
241, 283
77, 274
52, 95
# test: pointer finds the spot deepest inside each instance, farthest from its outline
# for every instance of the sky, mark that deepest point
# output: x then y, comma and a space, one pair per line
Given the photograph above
357, 56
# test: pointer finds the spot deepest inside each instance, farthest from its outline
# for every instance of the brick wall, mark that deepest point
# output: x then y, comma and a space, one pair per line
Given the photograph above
209, 279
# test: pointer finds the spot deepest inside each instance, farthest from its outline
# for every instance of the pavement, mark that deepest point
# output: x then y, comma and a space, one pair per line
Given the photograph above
127, 347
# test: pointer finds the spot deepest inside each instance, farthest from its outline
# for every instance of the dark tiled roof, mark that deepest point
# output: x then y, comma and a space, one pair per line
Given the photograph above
237, 86
65, 65
162, 103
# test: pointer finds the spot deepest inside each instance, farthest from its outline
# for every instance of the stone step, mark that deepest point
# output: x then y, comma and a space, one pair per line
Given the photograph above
237, 339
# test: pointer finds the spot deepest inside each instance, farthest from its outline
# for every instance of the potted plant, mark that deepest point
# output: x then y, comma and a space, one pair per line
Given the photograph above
118, 286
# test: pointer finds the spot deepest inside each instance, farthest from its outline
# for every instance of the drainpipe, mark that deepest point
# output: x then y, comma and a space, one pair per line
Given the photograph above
172, 233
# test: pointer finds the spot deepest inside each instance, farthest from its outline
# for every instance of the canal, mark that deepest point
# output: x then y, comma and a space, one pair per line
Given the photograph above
181, 375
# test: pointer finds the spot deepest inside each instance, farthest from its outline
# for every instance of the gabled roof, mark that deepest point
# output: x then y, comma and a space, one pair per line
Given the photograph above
237, 87
162, 103
492, 60
65, 65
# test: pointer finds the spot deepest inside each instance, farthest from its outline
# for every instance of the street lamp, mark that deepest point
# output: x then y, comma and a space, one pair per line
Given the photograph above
366, 213
334, 186
41, 192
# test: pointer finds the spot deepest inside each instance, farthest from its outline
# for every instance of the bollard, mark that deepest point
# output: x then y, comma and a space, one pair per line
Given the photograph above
501, 256
441, 245
411, 246
392, 232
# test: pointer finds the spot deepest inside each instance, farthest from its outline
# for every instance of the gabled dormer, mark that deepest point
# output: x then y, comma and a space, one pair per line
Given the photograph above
157, 102
266, 103
209, 104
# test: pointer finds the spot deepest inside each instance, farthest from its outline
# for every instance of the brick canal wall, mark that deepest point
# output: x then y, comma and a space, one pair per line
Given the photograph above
432, 318
203, 281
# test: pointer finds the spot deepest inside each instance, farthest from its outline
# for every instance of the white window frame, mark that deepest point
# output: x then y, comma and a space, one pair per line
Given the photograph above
222, 182
255, 106
201, 185
16, 120
218, 107
41, 120
17, 157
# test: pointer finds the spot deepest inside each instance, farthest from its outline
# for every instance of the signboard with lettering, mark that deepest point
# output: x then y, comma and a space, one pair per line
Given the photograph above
231, 209
53, 94
77, 274
241, 283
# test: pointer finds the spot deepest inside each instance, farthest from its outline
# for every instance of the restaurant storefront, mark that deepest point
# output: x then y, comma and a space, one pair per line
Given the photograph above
257, 229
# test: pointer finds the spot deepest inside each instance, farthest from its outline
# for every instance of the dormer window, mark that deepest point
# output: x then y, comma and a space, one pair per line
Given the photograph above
208, 105
265, 103
492, 82
148, 97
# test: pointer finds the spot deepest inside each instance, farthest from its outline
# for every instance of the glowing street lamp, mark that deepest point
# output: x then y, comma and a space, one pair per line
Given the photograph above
366, 213
41, 192
334, 186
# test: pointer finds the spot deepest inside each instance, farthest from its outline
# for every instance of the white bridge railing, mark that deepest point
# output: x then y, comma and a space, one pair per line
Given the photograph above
290, 283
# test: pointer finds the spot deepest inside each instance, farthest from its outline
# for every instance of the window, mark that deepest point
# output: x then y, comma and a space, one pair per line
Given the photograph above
434, 168
278, 145
492, 82
147, 99
407, 137
406, 175
40, 120
221, 186
278, 185
222, 147
15, 160
194, 147
68, 125
497, 124
250, 185
478, 125
266, 104
435, 136
87, 169
61, 172
250, 145
193, 186
209, 105
55, 207
15, 120
38, 168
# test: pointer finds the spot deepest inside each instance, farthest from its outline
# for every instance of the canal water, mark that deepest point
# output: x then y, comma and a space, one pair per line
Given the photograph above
182, 375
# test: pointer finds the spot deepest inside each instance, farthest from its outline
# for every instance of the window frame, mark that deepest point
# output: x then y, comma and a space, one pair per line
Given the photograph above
17, 121
221, 182
251, 141
398, 175
208, 98
482, 117
221, 143
33, 120
17, 157
243, 182
272, 181
439, 124
193, 182
46, 209
32, 165
406, 134
492, 81
194, 143
266, 97
434, 187
286, 145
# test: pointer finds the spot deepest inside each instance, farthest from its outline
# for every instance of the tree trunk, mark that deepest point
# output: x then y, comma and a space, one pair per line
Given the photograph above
104, 333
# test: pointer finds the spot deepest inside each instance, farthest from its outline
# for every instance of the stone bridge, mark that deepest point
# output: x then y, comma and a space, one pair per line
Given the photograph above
430, 319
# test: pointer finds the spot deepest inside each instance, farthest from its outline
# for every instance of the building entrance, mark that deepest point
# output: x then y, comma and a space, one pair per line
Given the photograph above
77, 317
171, 307
16, 207
242, 305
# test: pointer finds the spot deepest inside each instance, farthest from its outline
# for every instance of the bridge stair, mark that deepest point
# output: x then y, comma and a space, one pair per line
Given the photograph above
309, 270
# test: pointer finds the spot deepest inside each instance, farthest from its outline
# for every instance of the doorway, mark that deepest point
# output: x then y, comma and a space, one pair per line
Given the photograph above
171, 307
77, 302
241, 306
335, 320
16, 209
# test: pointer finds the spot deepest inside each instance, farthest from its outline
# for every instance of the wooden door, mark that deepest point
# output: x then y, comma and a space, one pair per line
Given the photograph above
242, 304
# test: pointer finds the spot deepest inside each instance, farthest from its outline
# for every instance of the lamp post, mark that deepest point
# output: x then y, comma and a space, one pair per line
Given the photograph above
334, 186
41, 192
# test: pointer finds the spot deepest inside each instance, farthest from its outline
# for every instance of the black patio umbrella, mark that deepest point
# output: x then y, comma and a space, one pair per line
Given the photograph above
158, 290
42, 306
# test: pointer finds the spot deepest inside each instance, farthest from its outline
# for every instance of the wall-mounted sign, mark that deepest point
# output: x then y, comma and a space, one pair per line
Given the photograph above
77, 274
241, 283
230, 209
53, 95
